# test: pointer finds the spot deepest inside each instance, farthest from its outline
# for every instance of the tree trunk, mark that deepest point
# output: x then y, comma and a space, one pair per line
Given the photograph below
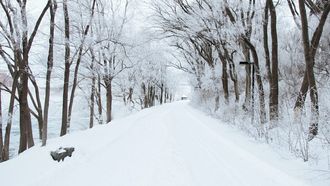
99, 100
109, 99
273, 97
232, 72
130, 95
217, 101
161, 94
233, 77
74, 86
92, 103
299, 104
66, 70
50, 62
65, 100
266, 47
38, 106
165, 95
93, 90
1, 136
313, 130
261, 93
152, 96
224, 79
248, 80
5, 150
314, 45
80, 55
145, 96
26, 136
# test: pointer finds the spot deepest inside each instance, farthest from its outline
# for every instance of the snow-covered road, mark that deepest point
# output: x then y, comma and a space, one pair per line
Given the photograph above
169, 145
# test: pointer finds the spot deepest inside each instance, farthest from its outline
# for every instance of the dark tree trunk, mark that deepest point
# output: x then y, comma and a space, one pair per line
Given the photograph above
299, 104
314, 45
224, 78
266, 47
233, 76
79, 58
66, 70
309, 60
74, 87
93, 90
130, 95
65, 99
99, 100
50, 61
109, 99
248, 80
161, 93
217, 101
1, 136
151, 95
145, 96
262, 110
232, 72
25, 117
26, 137
5, 150
273, 97
124, 97
165, 95
38, 106
92, 104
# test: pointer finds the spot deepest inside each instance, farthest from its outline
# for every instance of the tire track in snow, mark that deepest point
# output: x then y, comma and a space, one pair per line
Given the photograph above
241, 164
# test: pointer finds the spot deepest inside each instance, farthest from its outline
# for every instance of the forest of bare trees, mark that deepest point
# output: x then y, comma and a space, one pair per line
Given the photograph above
89, 54
218, 39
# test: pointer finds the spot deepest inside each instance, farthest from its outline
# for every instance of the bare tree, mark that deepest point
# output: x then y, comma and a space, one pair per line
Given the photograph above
79, 58
5, 149
1, 135
309, 53
50, 63
64, 125
21, 42
93, 90
261, 92
273, 96
112, 54
112, 66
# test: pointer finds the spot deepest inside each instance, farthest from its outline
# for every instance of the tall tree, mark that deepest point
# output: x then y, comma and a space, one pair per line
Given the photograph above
21, 43
50, 64
93, 90
79, 59
67, 64
5, 149
261, 93
310, 48
273, 96
1, 136
300, 101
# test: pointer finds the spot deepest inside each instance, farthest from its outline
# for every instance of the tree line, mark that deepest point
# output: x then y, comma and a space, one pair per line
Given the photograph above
89, 41
212, 37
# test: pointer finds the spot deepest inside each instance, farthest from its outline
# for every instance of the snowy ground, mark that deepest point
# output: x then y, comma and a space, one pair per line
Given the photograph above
169, 145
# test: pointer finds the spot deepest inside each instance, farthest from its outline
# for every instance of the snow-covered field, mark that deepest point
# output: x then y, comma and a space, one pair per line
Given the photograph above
173, 144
